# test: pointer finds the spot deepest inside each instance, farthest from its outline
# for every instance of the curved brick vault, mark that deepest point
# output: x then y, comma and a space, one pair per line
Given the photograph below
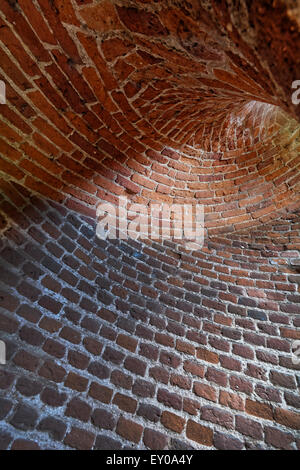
140, 344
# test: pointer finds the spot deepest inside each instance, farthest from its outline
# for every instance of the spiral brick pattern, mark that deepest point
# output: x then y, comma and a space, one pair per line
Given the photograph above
142, 344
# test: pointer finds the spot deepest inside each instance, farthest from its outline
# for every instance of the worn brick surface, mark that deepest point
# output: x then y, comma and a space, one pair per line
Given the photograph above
145, 344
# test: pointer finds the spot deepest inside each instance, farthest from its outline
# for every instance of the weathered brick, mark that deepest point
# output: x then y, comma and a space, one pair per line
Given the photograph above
143, 389
232, 400
5, 439
77, 359
112, 355
227, 442
5, 407
98, 370
205, 391
194, 368
103, 419
76, 382
198, 433
52, 397
249, 427
54, 427
79, 439
127, 342
24, 444
181, 381
100, 392
217, 416
54, 348
155, 440
169, 399
28, 387
6, 379
261, 410
172, 421
135, 365
78, 409
25, 417
278, 438
150, 412
104, 442
125, 403
120, 379
290, 419
283, 380
207, 356
93, 346
129, 430
52, 371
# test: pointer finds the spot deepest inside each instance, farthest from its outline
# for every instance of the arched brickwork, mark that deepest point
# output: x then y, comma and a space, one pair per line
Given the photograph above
140, 344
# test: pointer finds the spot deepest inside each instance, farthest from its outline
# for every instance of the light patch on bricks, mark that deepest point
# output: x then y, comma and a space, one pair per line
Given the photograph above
2, 92
2, 353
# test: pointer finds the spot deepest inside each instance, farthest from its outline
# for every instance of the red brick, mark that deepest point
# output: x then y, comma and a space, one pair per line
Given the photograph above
172, 421
26, 360
231, 400
205, 391
194, 368
217, 416
125, 403
24, 444
78, 409
184, 347
277, 438
155, 440
80, 439
127, 342
207, 356
129, 430
290, 419
76, 382
181, 381
200, 434
100, 392
135, 365
248, 427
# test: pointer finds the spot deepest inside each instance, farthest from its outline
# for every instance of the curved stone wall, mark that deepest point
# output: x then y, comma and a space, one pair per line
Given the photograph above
135, 343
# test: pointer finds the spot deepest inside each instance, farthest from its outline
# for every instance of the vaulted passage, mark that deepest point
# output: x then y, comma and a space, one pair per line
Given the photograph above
143, 344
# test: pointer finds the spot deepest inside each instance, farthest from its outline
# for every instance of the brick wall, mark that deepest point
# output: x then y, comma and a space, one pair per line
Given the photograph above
122, 344
132, 344
95, 111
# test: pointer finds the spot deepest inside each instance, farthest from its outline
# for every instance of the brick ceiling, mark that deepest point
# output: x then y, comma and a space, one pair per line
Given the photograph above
165, 101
